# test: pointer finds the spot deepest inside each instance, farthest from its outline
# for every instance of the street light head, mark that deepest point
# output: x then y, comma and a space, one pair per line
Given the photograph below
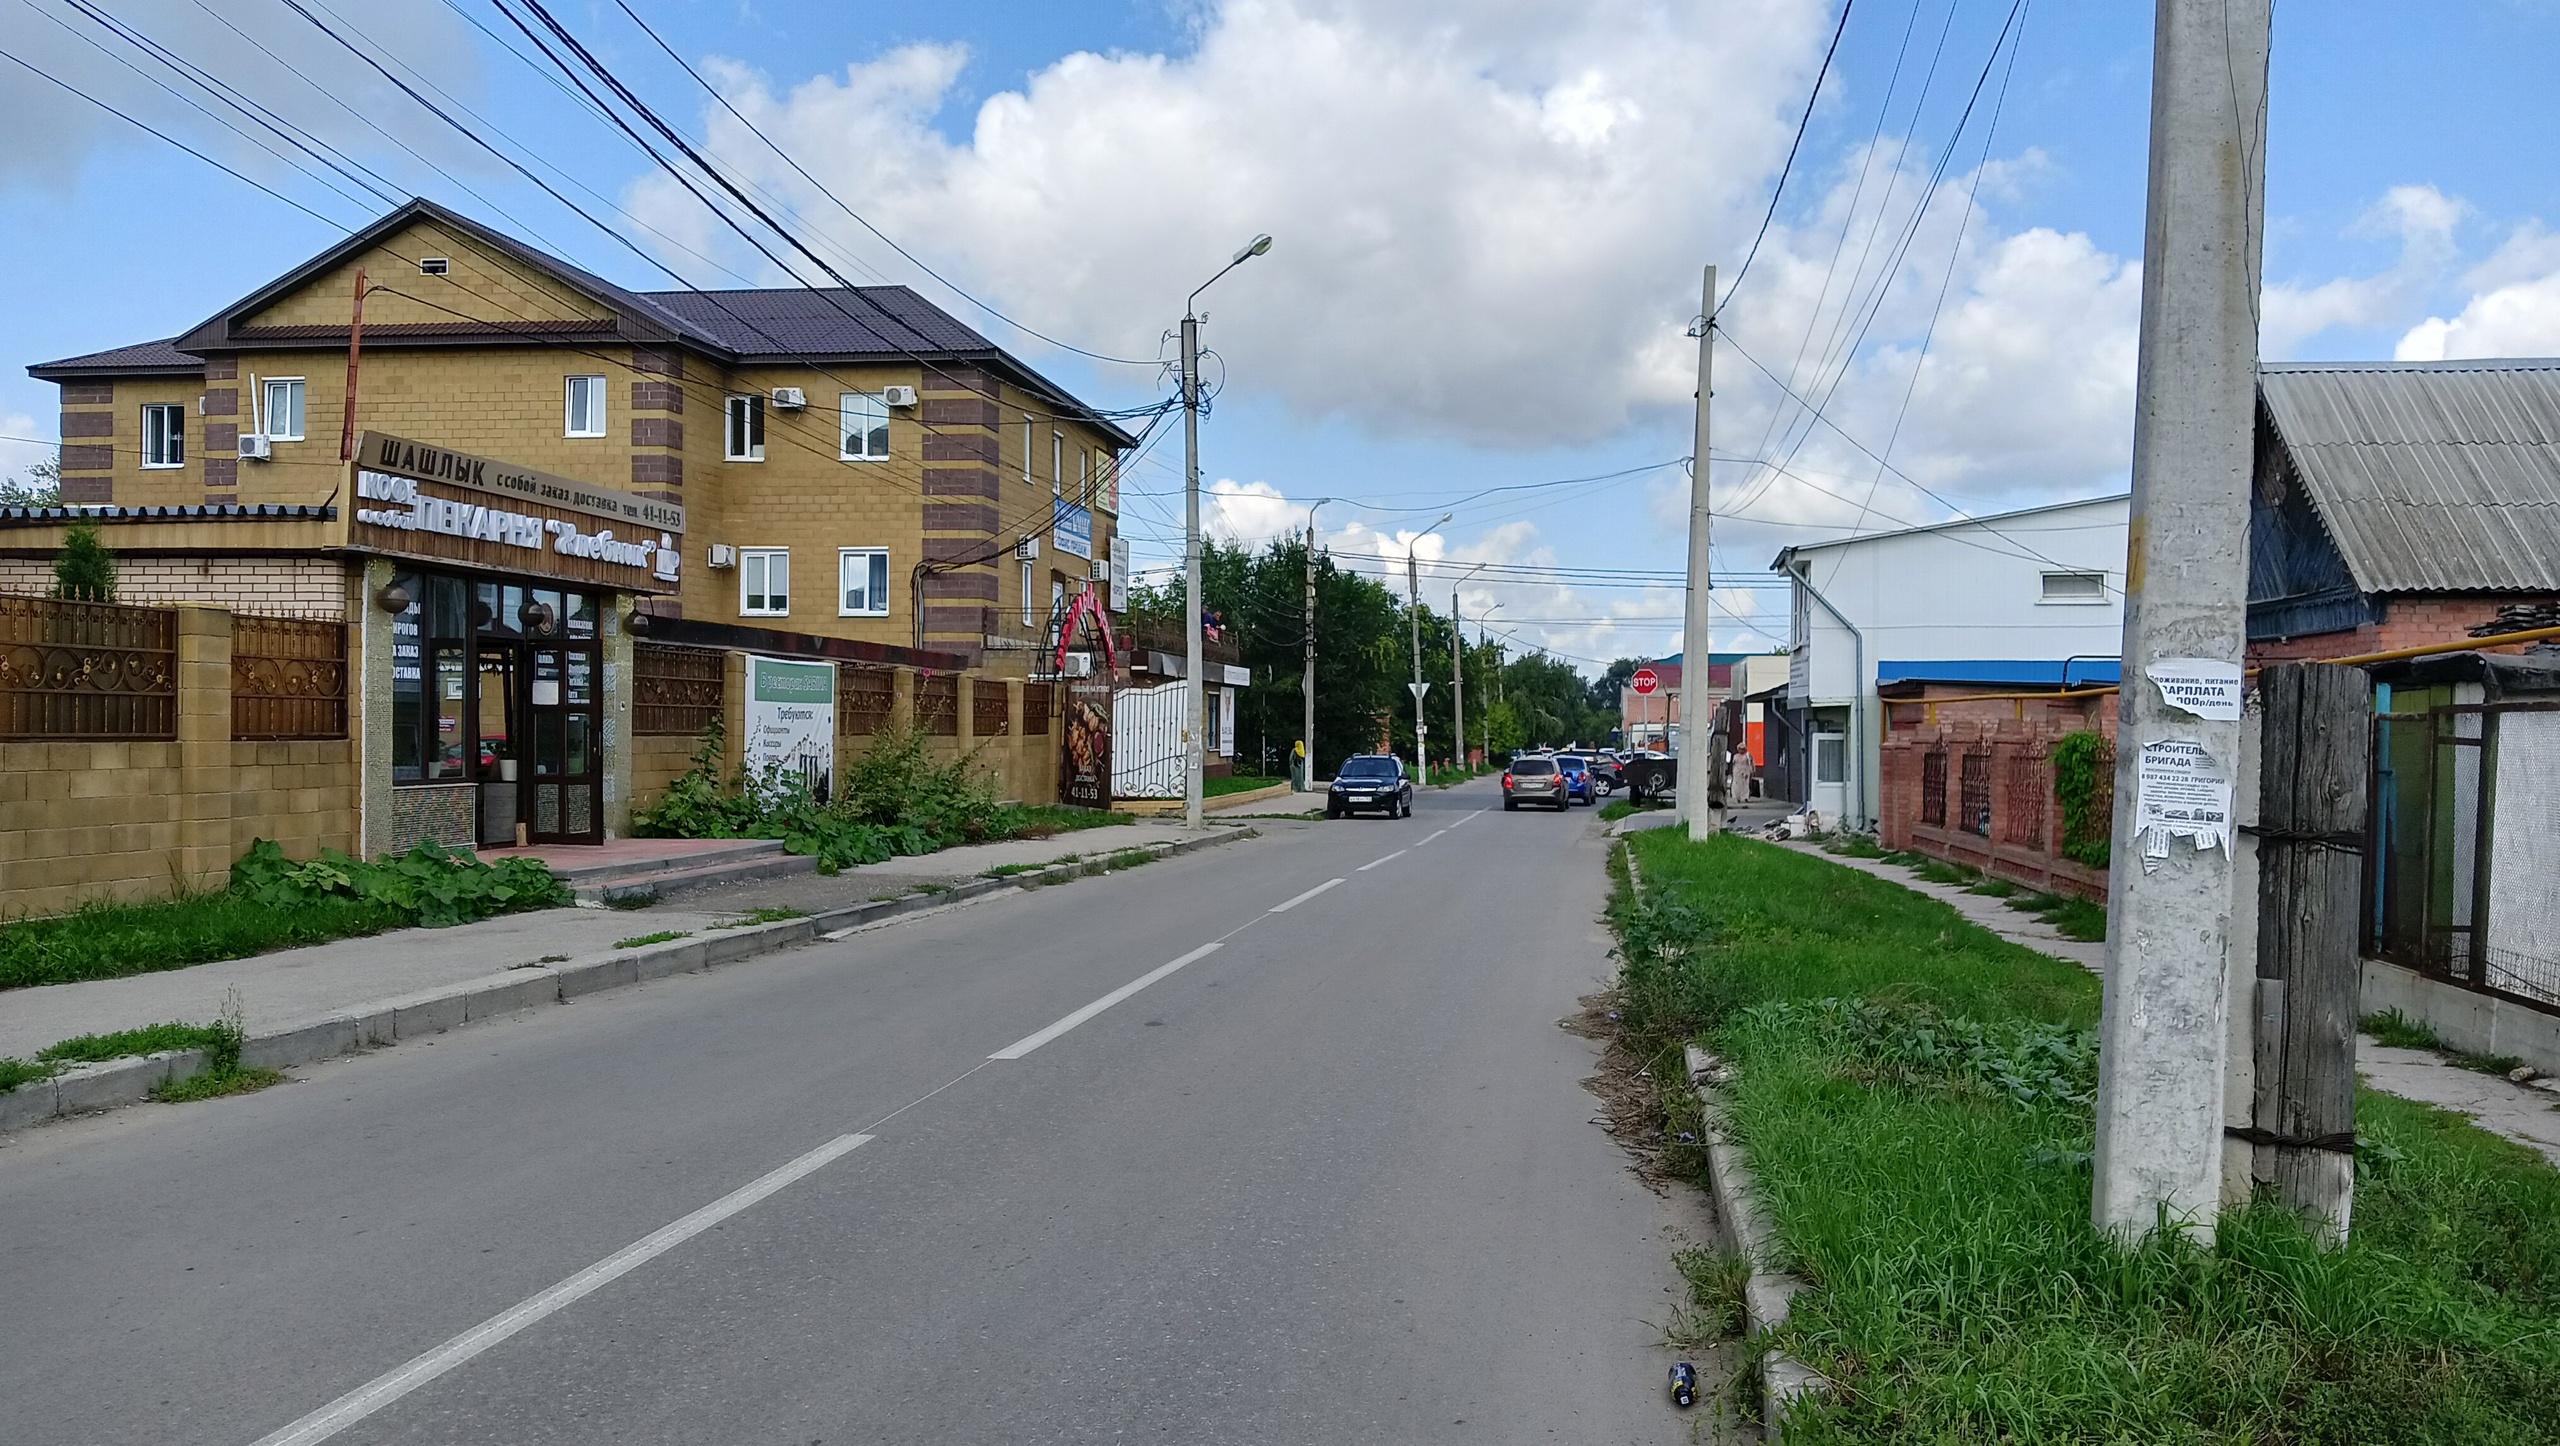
1258, 246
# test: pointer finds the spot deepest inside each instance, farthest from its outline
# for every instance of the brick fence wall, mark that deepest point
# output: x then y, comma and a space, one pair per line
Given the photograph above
310, 586
82, 819
2409, 621
1979, 792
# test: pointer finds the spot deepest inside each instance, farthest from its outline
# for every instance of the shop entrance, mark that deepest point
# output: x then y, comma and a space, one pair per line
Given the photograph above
504, 695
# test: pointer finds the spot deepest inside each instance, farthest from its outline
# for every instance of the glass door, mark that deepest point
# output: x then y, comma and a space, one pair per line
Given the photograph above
563, 776
495, 714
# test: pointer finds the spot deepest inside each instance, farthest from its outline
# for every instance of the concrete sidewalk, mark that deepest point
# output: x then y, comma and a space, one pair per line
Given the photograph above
309, 1003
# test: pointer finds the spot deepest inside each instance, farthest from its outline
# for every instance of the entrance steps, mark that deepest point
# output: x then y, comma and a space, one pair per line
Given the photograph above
669, 867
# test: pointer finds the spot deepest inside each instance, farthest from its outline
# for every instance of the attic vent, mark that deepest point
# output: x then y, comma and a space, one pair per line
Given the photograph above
434, 265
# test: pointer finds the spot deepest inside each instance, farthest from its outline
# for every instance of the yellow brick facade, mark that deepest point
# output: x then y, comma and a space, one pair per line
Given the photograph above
952, 488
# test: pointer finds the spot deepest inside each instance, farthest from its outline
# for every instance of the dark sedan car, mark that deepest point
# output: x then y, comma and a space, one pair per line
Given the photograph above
1371, 782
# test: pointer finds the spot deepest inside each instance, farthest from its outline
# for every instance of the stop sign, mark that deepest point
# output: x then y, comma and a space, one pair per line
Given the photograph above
1645, 681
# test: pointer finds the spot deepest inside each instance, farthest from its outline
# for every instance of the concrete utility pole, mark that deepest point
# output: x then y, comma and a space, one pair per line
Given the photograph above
1309, 691
1700, 796
1413, 590
1457, 682
1195, 731
2164, 1040
1194, 734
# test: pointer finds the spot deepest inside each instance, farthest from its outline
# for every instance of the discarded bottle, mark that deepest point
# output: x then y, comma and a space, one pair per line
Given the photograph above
1684, 1385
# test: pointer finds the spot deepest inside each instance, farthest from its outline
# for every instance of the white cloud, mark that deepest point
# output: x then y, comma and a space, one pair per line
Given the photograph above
2422, 220
2514, 309
16, 456
309, 81
1473, 205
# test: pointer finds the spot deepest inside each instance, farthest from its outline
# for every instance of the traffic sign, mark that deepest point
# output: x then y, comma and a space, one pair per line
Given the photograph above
1645, 681
1418, 690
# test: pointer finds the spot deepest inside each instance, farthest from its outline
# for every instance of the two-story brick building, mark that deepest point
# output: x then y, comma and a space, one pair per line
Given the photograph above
498, 467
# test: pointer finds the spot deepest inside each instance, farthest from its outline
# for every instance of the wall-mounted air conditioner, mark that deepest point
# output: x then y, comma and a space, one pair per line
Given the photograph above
723, 555
1027, 550
898, 396
1099, 570
789, 399
254, 447
1079, 665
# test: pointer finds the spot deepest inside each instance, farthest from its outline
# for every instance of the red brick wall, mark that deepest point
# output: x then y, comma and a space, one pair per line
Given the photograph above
2039, 865
2408, 621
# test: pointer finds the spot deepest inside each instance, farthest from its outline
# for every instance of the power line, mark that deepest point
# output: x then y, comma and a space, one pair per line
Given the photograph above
1780, 189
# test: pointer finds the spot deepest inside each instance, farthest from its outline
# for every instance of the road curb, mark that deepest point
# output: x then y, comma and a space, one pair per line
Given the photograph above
381, 1023
1768, 1292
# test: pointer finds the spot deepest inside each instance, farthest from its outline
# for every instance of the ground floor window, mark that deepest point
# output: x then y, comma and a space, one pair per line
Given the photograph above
1830, 758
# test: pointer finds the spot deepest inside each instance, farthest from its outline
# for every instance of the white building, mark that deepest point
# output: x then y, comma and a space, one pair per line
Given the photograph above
2030, 599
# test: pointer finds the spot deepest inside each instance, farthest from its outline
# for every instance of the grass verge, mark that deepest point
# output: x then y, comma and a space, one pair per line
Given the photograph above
2073, 918
1853, 846
123, 1043
1916, 1094
2396, 1030
1617, 809
1235, 783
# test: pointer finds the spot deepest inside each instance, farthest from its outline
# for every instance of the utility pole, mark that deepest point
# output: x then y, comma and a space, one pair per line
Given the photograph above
1457, 682
1194, 734
2164, 1039
1413, 590
1309, 690
1700, 796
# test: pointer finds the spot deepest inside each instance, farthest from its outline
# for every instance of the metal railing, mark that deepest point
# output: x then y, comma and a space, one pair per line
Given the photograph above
676, 691
74, 670
866, 699
288, 678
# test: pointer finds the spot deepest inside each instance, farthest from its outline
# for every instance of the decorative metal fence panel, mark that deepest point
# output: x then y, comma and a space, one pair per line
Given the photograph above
288, 678
87, 670
1933, 788
676, 691
990, 711
938, 705
865, 699
2029, 795
1037, 703
1973, 797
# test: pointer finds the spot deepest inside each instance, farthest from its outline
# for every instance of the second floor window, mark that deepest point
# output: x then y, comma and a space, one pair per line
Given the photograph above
746, 429
1057, 463
866, 427
164, 435
1026, 447
862, 574
284, 409
764, 582
586, 407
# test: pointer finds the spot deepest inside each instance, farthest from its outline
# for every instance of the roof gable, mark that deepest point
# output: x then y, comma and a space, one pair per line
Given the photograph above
2428, 477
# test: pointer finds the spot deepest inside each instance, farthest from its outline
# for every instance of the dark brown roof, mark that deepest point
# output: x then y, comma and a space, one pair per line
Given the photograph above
140, 358
189, 512
804, 321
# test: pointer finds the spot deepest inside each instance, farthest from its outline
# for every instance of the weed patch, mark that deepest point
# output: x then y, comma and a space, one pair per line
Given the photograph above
1619, 808
15, 1072
124, 1043
2073, 918
1916, 1093
1853, 846
767, 914
2398, 1031
1006, 871
643, 941
222, 1072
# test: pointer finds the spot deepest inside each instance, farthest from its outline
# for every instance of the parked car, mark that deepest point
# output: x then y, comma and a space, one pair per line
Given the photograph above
1370, 782
1580, 786
1534, 780
1607, 774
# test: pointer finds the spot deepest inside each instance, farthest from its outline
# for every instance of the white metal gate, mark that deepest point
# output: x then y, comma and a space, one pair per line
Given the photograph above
1146, 741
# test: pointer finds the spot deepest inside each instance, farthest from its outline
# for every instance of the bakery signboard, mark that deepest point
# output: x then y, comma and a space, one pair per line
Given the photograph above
416, 500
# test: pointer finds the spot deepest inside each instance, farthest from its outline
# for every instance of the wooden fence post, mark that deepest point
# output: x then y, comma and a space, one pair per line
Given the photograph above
2310, 836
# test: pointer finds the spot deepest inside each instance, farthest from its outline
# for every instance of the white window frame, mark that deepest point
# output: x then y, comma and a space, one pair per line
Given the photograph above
1057, 463
875, 408
176, 431
569, 406
1084, 477
844, 559
728, 428
1840, 754
2045, 594
301, 405
1027, 447
1030, 602
759, 560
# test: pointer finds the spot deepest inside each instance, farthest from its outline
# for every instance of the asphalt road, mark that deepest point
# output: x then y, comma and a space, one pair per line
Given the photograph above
1326, 1174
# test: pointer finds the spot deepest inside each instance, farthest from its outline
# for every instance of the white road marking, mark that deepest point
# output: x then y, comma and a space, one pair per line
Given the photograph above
1283, 908
1426, 838
1030, 1042
372, 1396
1479, 813
1373, 863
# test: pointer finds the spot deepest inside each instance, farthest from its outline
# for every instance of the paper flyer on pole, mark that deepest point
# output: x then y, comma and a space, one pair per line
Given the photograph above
2182, 791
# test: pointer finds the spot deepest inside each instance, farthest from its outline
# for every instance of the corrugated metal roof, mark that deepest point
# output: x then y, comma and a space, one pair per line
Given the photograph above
176, 512
803, 321
142, 356
2430, 476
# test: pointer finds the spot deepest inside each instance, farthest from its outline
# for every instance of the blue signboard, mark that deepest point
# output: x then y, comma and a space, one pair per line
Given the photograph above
1074, 530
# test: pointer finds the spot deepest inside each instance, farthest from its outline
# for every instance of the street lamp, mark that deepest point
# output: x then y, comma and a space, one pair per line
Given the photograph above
1413, 589
1307, 739
1194, 730
1483, 618
1458, 673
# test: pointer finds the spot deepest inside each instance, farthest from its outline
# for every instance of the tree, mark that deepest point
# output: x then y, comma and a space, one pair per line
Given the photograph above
41, 487
86, 571
1606, 688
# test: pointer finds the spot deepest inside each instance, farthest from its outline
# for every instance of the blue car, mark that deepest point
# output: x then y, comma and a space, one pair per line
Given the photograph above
1579, 786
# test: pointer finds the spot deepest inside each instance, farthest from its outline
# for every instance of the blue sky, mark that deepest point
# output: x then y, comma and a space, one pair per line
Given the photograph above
1489, 218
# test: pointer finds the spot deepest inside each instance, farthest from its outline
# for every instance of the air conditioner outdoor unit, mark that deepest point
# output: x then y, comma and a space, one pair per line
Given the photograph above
723, 555
1099, 570
1027, 550
898, 396
789, 399
1079, 665
254, 447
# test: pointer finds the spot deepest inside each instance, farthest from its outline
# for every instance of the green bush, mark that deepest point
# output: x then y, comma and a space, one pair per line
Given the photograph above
2086, 838
430, 884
